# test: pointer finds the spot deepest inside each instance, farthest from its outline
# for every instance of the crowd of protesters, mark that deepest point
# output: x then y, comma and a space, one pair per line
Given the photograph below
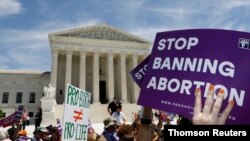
17, 131
146, 125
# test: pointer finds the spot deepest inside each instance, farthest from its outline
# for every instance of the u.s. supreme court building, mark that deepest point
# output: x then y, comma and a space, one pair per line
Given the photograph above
95, 58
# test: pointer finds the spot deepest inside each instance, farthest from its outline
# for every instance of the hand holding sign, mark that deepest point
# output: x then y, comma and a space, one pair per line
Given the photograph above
210, 113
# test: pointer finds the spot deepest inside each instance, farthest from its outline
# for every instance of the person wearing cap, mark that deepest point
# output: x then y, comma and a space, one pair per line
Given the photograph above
40, 133
22, 133
22, 136
110, 129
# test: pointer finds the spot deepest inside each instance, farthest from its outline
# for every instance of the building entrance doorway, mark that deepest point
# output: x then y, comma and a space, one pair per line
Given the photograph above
102, 92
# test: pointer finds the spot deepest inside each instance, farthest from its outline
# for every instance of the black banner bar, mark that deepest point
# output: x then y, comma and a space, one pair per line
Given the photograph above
173, 132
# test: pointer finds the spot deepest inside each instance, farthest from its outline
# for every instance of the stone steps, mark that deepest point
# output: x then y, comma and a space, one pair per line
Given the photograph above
98, 112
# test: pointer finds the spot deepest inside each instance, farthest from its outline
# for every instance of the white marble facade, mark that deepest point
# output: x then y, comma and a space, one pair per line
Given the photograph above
18, 87
96, 58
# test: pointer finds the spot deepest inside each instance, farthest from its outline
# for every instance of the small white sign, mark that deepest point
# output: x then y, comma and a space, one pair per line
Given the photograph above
76, 114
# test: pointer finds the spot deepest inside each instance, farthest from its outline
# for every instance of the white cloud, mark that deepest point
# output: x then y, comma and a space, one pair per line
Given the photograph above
9, 7
149, 33
176, 13
29, 49
52, 26
242, 28
206, 14
4, 61
235, 3
25, 57
230, 24
14, 35
128, 10
39, 34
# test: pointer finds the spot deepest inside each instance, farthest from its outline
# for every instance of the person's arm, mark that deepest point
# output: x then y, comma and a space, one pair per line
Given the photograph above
109, 111
159, 127
113, 115
210, 112
144, 132
124, 117
40, 116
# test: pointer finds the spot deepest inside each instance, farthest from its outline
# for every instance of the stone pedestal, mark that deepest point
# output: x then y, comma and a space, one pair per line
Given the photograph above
48, 105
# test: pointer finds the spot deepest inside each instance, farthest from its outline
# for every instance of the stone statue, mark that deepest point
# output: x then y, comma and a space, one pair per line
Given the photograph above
48, 102
49, 91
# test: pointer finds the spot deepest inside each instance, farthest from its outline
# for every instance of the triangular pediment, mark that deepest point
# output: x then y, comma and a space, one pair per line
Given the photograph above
101, 31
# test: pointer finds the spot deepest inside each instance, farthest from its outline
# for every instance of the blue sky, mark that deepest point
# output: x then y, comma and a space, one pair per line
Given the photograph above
25, 24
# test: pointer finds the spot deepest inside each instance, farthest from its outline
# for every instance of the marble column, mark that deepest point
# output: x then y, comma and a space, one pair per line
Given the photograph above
54, 65
135, 94
82, 72
68, 67
141, 58
110, 70
123, 78
96, 77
